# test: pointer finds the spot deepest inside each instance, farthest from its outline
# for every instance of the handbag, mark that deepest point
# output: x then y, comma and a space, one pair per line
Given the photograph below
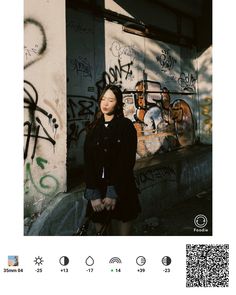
83, 229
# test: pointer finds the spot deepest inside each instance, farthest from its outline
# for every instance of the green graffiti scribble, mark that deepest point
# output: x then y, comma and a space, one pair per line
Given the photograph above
49, 190
40, 161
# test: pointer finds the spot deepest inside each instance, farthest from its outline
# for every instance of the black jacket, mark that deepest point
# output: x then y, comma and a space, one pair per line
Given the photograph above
117, 151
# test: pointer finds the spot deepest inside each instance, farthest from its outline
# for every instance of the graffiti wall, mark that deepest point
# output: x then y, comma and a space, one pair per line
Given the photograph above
85, 61
159, 85
44, 103
158, 81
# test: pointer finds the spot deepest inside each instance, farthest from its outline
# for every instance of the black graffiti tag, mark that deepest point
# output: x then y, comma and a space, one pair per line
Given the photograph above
35, 51
150, 177
34, 128
118, 50
187, 81
114, 75
81, 65
81, 110
166, 61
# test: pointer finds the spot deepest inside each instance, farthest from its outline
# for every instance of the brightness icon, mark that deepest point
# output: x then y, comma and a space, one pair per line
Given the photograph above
38, 260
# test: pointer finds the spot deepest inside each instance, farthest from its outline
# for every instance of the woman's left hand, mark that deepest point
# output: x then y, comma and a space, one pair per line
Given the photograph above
109, 203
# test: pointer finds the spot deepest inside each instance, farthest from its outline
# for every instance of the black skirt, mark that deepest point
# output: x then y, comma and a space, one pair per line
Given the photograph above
125, 210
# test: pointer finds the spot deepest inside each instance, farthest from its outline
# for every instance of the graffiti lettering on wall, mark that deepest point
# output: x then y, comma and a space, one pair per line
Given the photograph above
33, 48
187, 81
29, 52
114, 75
166, 61
82, 66
161, 125
119, 50
35, 129
152, 176
76, 27
206, 111
80, 111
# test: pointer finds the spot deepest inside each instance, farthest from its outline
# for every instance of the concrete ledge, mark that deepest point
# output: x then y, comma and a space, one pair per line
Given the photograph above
170, 178
163, 181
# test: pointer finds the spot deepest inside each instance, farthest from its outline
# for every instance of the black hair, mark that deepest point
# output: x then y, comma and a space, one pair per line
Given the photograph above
118, 111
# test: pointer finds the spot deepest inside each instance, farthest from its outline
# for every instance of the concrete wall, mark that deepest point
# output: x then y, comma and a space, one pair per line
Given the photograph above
205, 95
85, 61
172, 178
98, 53
44, 103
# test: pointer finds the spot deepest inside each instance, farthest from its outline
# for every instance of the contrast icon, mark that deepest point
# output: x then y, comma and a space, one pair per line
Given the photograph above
141, 260
38, 260
115, 260
200, 221
89, 261
166, 260
13, 260
64, 260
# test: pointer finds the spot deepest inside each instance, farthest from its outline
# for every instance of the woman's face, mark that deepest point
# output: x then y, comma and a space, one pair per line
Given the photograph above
108, 103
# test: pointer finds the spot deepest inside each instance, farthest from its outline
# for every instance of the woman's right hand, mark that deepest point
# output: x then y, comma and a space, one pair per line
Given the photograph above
97, 205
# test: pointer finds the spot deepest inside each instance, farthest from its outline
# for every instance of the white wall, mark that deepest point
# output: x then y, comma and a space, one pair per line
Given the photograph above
45, 102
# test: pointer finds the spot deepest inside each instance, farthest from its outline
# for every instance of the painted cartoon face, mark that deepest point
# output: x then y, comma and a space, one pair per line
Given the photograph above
108, 103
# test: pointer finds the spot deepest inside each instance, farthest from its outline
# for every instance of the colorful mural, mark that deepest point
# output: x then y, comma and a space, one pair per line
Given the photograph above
161, 125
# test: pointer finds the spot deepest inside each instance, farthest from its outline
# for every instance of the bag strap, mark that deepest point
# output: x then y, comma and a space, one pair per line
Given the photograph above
82, 230
105, 224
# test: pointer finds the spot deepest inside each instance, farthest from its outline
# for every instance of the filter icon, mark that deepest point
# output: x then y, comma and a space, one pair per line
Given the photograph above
13, 260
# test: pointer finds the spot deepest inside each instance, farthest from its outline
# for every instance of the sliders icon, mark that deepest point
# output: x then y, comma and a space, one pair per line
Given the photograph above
115, 260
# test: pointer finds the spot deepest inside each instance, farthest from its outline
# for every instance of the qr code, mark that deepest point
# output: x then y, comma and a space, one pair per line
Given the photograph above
207, 265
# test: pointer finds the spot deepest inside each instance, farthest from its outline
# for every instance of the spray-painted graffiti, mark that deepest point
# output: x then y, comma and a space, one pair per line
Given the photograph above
47, 185
29, 52
44, 126
187, 81
152, 176
161, 125
206, 111
166, 61
82, 66
80, 111
76, 27
74, 133
119, 50
34, 48
34, 128
80, 107
114, 75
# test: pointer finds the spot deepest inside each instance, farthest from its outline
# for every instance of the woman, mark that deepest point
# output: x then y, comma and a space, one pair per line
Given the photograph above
109, 156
